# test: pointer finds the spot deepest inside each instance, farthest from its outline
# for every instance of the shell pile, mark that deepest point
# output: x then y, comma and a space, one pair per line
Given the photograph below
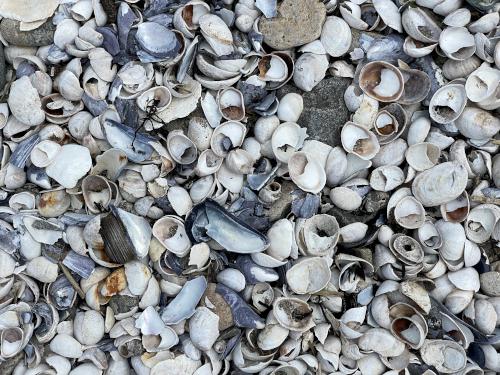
233, 242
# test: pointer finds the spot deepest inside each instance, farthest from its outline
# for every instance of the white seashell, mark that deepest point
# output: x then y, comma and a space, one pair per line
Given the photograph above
447, 356
44, 153
290, 107
180, 200
280, 239
465, 279
41, 269
422, 156
66, 346
70, 164
409, 213
228, 179
88, 327
181, 148
217, 34
231, 104
448, 103
453, 240
336, 166
389, 13
477, 123
204, 328
456, 210
351, 13
485, 24
208, 163
306, 172
232, 278
66, 32
360, 141
386, 178
293, 314
457, 43
419, 25
335, 36
158, 94
317, 150
272, 68
480, 222
381, 341
440, 184
170, 231
227, 136
264, 128
308, 275
309, 70
82, 10
24, 102
415, 49
458, 18
286, 140
345, 198
210, 109
138, 276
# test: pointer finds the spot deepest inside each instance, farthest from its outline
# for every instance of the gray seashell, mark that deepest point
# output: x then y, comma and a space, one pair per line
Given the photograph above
135, 145
157, 40
184, 304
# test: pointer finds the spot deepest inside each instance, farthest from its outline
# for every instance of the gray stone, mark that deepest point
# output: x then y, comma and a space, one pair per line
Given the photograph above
324, 109
41, 36
298, 22
348, 217
490, 283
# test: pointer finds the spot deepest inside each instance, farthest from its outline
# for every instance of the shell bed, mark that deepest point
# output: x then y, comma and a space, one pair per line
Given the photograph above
228, 187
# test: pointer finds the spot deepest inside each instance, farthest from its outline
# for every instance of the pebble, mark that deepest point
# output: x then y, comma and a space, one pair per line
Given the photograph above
490, 283
298, 22
40, 36
325, 112
3, 70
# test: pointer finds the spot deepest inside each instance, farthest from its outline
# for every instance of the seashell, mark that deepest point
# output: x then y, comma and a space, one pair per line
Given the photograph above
272, 68
417, 49
158, 96
44, 153
446, 356
381, 341
306, 172
345, 198
53, 203
286, 140
66, 32
386, 178
480, 223
171, 233
485, 24
458, 18
204, 328
112, 161
309, 70
69, 165
448, 103
239, 161
313, 269
360, 141
335, 36
409, 213
417, 85
477, 123
66, 346
316, 236
88, 327
184, 304
381, 81
208, 163
126, 236
389, 13
69, 86
422, 156
25, 103
181, 148
217, 34
457, 43
419, 26
290, 107
227, 136
293, 314
231, 104
426, 186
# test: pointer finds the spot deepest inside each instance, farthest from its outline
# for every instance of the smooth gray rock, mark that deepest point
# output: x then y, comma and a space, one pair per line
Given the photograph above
41, 36
490, 283
324, 109
298, 22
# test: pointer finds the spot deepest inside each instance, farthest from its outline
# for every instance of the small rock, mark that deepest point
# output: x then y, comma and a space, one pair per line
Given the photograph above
325, 112
210, 299
298, 22
490, 283
348, 217
40, 36
110, 9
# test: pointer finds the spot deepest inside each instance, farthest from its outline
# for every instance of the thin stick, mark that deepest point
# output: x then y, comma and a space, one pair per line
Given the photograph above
72, 280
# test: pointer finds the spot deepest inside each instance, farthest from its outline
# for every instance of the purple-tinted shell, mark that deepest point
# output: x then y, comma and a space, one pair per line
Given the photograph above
250, 269
110, 42
156, 41
243, 314
124, 20
96, 107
